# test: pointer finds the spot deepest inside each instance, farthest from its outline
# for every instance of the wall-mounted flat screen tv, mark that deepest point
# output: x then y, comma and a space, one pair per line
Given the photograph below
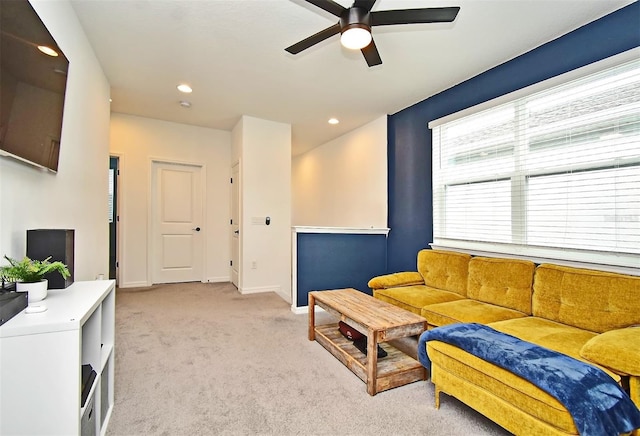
33, 80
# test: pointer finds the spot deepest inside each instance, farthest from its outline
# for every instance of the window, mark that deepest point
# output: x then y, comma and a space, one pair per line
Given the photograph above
555, 172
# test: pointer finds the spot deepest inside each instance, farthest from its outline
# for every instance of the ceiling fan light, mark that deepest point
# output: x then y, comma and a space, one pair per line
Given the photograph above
48, 50
356, 38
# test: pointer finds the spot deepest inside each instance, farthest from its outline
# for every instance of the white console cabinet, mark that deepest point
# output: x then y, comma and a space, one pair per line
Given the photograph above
41, 358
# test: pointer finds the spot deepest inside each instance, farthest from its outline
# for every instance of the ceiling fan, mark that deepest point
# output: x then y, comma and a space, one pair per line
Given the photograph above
355, 25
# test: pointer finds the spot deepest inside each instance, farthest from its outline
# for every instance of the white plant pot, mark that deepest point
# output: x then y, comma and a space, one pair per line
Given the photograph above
37, 291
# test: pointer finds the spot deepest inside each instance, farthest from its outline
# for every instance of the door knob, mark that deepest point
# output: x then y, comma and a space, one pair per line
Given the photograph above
237, 232
197, 229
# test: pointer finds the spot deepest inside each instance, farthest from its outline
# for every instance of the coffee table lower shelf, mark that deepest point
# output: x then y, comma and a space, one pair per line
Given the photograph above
396, 369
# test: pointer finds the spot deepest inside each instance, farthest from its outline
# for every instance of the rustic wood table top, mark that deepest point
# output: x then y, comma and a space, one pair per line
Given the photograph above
366, 310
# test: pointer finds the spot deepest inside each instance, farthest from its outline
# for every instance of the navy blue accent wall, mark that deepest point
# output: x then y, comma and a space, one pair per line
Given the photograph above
409, 189
409, 139
337, 260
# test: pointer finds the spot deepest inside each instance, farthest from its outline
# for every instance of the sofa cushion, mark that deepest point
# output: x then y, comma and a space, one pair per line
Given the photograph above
414, 298
615, 349
591, 300
467, 311
550, 334
446, 270
503, 282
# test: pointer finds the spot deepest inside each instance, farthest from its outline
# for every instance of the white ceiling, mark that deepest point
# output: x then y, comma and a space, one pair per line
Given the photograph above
232, 53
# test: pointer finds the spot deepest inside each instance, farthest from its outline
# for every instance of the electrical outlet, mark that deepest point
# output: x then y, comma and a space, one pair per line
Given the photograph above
254, 265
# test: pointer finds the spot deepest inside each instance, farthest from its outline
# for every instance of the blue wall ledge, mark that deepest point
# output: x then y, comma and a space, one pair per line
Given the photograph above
335, 258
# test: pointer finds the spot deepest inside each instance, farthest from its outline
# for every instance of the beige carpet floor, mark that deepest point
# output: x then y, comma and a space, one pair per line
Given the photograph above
202, 359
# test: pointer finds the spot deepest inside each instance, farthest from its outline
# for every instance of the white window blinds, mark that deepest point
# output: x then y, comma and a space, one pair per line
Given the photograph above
557, 171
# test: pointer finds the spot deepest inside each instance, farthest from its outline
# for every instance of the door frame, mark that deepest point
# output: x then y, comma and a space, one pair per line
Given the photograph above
236, 184
121, 216
150, 218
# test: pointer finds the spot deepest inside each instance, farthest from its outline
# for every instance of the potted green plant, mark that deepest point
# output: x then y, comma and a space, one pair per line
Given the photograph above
29, 275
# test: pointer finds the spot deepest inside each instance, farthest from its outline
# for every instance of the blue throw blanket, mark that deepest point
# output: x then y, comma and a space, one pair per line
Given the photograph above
595, 401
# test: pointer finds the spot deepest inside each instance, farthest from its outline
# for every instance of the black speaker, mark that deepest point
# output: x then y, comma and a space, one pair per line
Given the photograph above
57, 243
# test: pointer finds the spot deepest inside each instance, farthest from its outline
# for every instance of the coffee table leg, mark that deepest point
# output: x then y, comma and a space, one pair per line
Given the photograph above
312, 317
372, 362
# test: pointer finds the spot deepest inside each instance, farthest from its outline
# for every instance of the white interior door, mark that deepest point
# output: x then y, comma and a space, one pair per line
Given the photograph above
177, 250
235, 223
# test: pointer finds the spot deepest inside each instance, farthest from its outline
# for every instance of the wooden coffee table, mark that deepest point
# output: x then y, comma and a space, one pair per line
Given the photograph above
382, 322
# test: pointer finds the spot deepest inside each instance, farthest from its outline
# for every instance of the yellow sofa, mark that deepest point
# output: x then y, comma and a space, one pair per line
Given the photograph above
586, 314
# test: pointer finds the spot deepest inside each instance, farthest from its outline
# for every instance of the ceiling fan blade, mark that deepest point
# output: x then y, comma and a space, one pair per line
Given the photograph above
412, 16
371, 54
314, 39
329, 6
364, 4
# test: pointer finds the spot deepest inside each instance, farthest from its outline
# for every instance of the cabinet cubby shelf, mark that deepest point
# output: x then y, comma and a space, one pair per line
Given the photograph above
41, 358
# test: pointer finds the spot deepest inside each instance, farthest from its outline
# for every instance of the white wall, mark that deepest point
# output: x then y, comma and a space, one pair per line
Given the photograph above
343, 183
264, 150
76, 197
136, 140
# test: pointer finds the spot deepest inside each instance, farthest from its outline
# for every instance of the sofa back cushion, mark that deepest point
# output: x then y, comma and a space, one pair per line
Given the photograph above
446, 270
592, 300
503, 282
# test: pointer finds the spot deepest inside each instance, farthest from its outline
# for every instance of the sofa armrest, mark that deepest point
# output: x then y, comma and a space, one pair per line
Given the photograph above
396, 279
616, 349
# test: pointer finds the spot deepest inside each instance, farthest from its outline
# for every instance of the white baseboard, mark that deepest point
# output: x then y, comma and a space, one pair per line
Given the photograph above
218, 279
260, 290
303, 310
284, 296
134, 285
300, 310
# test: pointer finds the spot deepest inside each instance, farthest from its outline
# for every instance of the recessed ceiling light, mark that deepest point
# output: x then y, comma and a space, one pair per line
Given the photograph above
47, 50
184, 88
333, 121
185, 103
